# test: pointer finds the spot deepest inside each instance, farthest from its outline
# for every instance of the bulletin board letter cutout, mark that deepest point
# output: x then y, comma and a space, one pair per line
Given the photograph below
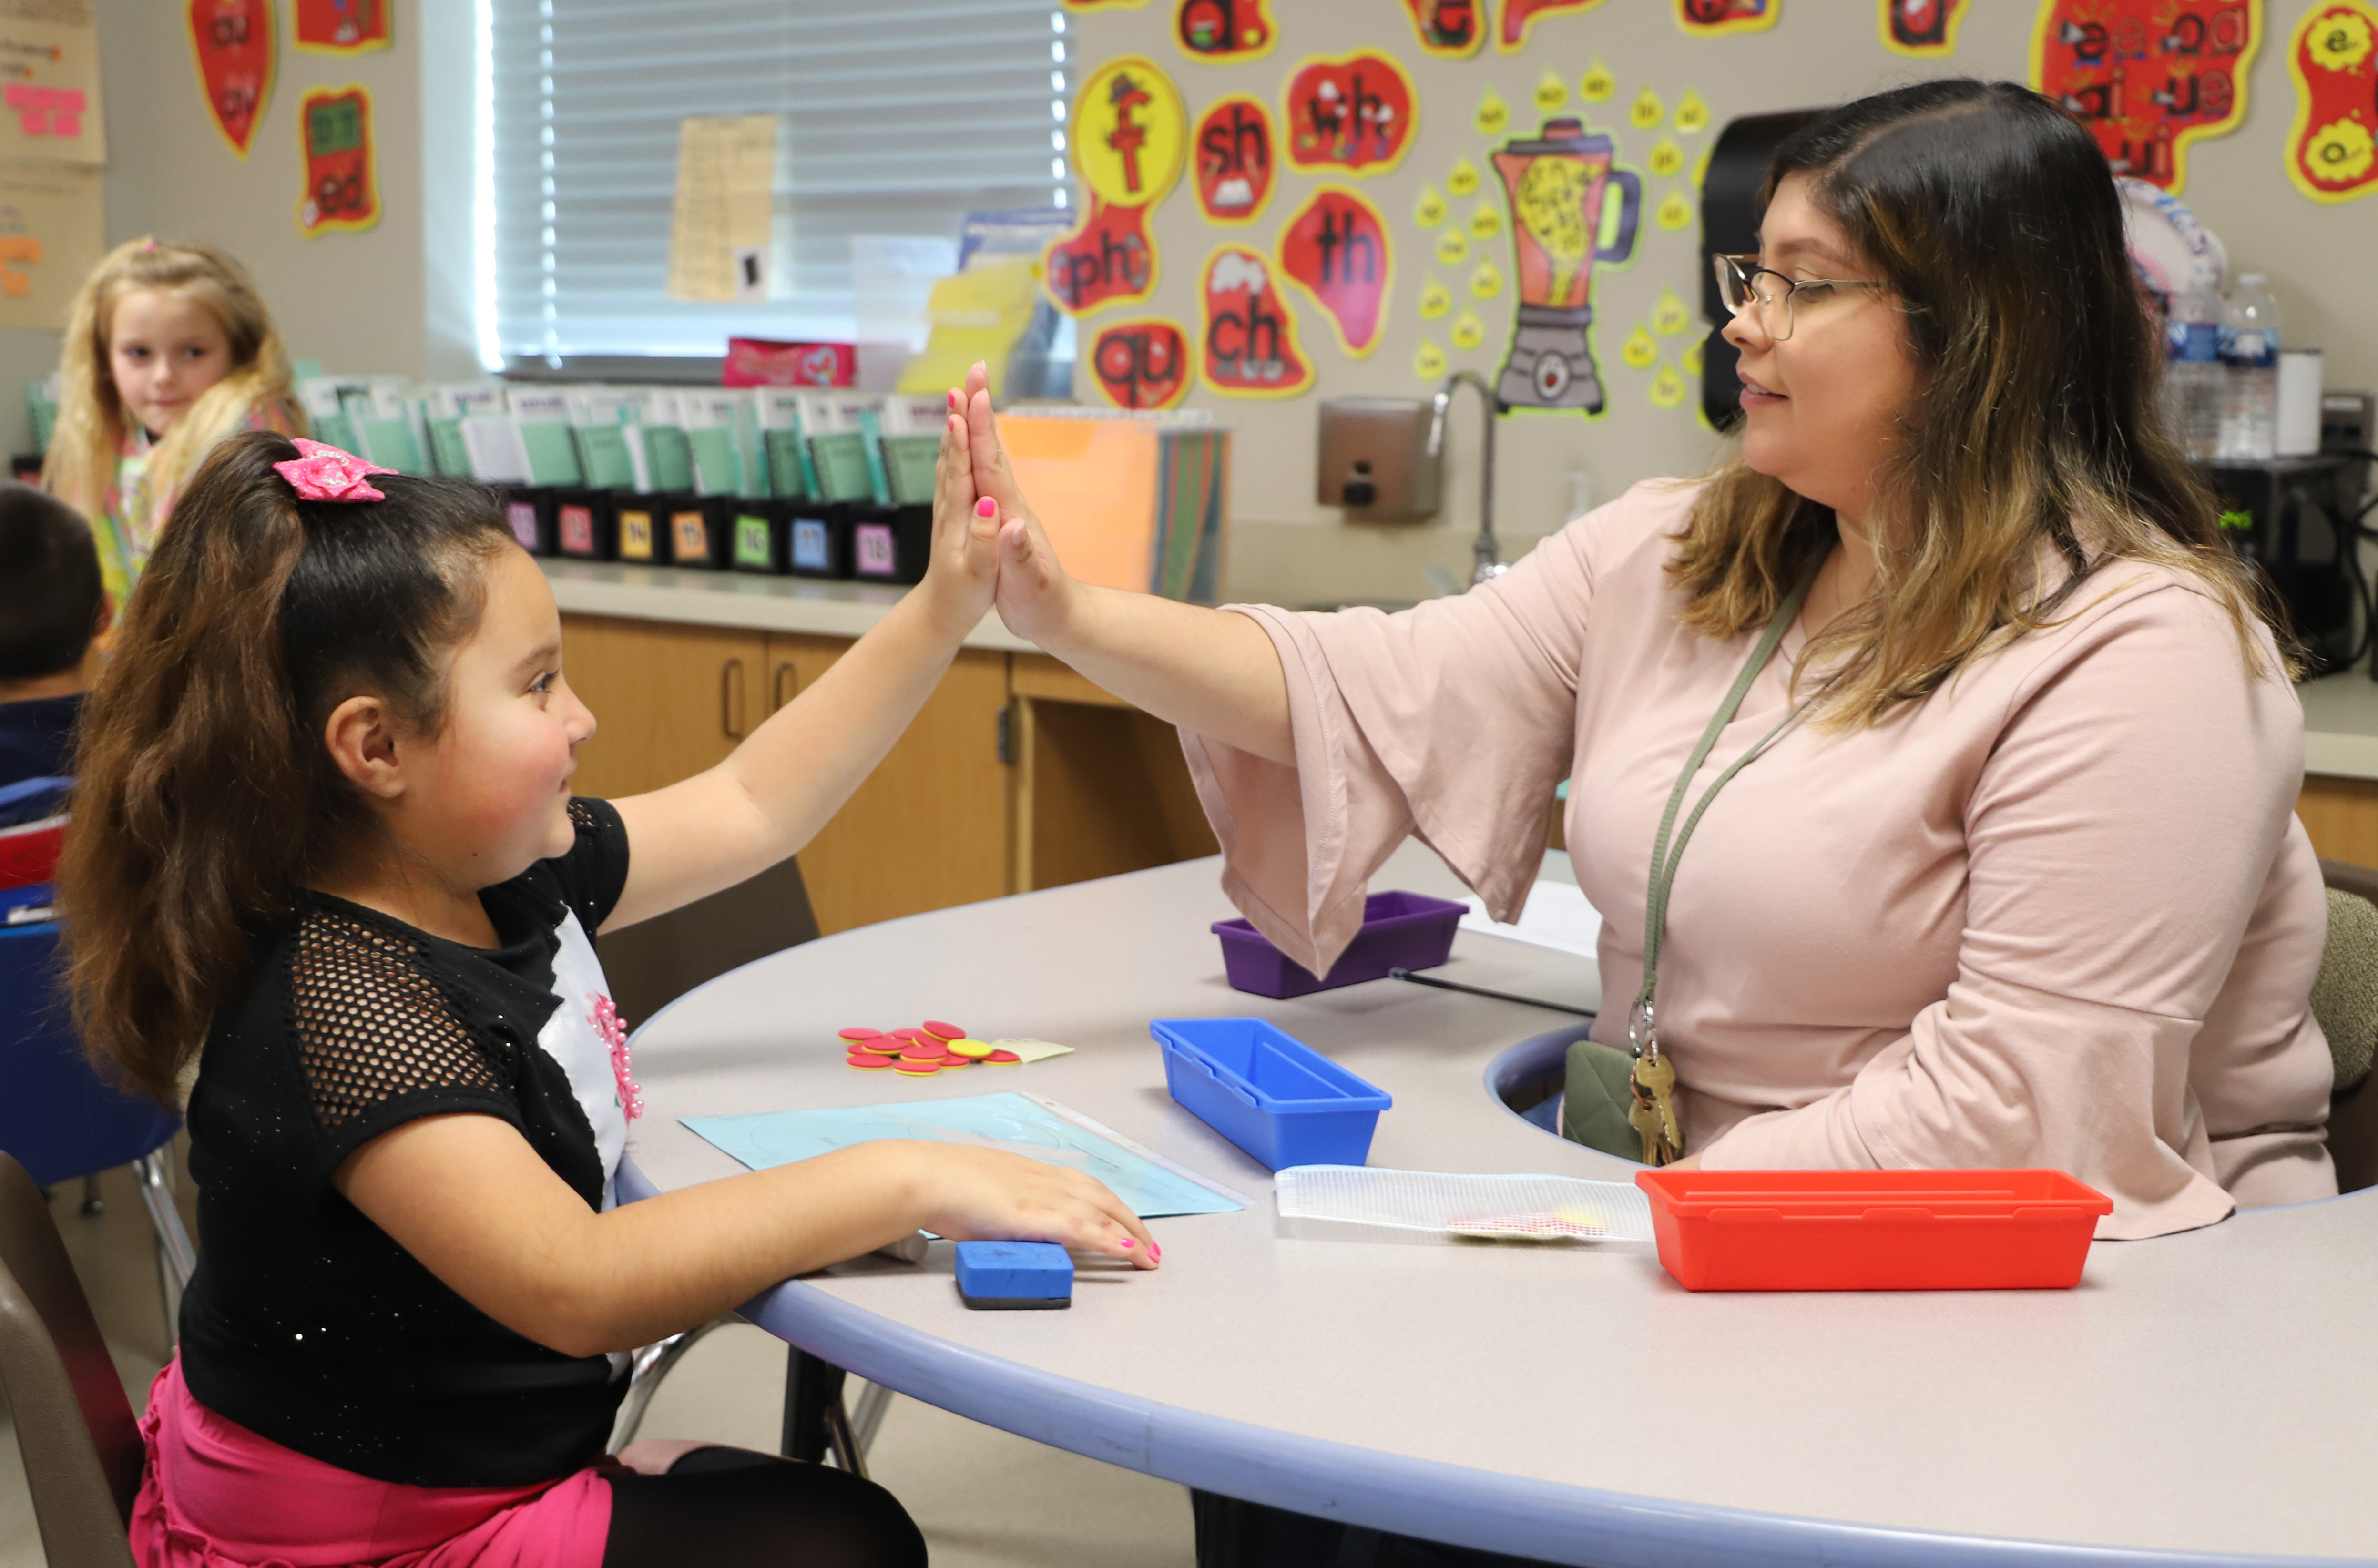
1130, 133
1450, 30
1519, 15
335, 134
1142, 364
1248, 347
1108, 260
1220, 31
1709, 19
1557, 183
2148, 78
1102, 5
1235, 149
342, 27
230, 43
1926, 29
2333, 148
1337, 250
1354, 112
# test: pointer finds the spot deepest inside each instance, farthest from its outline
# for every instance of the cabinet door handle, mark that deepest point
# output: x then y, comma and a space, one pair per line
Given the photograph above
730, 699
778, 696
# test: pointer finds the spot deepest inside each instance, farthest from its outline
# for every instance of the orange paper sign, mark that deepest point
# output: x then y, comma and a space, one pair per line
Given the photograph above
1922, 28
334, 128
1336, 248
1250, 338
1450, 30
341, 26
231, 41
1355, 111
1140, 364
2333, 150
2147, 76
1234, 161
1222, 31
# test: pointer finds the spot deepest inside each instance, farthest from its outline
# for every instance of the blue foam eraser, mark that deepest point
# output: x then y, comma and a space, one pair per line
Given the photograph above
1015, 1274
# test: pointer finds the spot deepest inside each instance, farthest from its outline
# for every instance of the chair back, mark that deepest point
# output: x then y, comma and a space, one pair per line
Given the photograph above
57, 1118
2344, 1000
81, 1448
652, 964
32, 830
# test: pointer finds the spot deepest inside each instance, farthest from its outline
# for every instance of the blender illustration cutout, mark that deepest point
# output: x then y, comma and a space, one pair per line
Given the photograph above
1336, 248
1519, 15
1354, 112
1428, 361
341, 26
1223, 30
2333, 148
1921, 28
1450, 30
1429, 210
1142, 364
2148, 78
231, 42
1561, 185
1130, 137
1708, 19
335, 136
1234, 160
1249, 345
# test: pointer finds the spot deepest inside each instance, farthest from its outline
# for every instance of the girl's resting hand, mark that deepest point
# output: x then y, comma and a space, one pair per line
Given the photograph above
975, 1194
963, 568
1035, 594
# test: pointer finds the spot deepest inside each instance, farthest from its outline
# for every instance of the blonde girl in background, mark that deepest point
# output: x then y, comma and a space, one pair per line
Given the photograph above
169, 349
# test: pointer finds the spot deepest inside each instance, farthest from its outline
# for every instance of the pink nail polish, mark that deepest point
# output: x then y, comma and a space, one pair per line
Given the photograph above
986, 508
1129, 1242
1155, 1252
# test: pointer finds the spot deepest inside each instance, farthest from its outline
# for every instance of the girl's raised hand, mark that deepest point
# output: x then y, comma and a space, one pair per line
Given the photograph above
963, 568
1034, 594
976, 1194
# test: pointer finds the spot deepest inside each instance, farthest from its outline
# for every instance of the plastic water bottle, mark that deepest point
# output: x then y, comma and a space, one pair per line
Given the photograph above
2193, 379
2249, 367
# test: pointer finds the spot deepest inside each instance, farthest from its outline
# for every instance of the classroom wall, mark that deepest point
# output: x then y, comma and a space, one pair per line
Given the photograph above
1820, 52
355, 302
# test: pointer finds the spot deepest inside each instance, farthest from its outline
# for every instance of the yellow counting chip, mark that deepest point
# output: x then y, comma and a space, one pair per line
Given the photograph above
976, 1048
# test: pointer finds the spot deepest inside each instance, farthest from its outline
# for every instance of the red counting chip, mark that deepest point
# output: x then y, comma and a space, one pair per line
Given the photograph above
870, 1062
1003, 1059
923, 1053
957, 1062
916, 1036
856, 1034
944, 1031
917, 1068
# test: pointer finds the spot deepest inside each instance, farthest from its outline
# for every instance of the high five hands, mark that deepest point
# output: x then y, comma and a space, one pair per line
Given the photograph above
977, 502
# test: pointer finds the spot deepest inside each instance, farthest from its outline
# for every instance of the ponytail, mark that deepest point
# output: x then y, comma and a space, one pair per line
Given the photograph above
205, 797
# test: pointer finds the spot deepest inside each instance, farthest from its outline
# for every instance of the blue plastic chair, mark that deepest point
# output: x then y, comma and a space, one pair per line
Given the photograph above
57, 1118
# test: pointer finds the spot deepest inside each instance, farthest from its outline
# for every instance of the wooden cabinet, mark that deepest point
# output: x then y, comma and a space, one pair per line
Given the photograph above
2341, 815
1087, 785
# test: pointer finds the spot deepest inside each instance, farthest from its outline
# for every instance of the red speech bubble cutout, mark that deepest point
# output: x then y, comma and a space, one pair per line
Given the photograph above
1921, 28
1519, 15
2146, 78
1336, 249
1355, 113
1222, 31
1141, 364
2333, 150
1109, 259
232, 42
1234, 149
1450, 30
1249, 348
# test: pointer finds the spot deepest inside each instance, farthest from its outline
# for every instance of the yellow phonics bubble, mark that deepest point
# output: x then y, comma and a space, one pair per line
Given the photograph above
1452, 248
1463, 181
1666, 157
1692, 357
1494, 115
1670, 317
1551, 93
1429, 362
1487, 281
1598, 84
1130, 133
1429, 210
1692, 114
1435, 299
1468, 330
1646, 110
1677, 210
1485, 221
1639, 351
1667, 388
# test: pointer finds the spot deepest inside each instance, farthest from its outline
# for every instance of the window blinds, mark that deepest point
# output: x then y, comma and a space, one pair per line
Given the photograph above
897, 116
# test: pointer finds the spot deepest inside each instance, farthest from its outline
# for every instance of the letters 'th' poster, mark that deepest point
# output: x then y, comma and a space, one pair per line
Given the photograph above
2147, 76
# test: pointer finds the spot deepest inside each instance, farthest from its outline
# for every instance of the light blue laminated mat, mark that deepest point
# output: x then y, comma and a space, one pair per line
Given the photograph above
1023, 1124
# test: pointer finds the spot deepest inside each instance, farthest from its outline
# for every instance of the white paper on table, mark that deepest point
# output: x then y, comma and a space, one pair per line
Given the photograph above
1557, 916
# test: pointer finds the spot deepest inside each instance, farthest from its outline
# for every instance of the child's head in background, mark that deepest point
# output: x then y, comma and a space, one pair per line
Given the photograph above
303, 692
50, 602
169, 341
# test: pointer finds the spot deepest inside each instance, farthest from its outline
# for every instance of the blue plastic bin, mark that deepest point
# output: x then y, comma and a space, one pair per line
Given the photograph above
1282, 1101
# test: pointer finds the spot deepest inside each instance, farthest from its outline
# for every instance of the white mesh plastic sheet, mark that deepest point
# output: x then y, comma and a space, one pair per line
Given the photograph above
1356, 1203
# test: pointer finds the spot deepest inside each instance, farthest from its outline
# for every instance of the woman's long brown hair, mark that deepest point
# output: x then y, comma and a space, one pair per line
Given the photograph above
204, 796
1993, 219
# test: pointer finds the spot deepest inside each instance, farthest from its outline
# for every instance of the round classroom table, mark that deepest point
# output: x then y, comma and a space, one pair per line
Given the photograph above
2202, 1398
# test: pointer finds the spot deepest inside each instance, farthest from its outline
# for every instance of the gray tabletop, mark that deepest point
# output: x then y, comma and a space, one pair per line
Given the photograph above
2203, 1397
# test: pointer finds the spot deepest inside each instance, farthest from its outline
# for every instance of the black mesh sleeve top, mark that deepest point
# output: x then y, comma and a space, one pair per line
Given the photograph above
306, 1323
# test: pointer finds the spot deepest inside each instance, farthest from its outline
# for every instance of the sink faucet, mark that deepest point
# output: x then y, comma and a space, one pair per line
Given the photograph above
1486, 551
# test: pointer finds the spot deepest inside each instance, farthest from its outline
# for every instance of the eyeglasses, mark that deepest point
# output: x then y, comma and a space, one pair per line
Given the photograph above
1742, 283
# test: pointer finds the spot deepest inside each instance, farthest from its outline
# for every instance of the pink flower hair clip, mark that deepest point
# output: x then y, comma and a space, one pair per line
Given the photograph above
323, 472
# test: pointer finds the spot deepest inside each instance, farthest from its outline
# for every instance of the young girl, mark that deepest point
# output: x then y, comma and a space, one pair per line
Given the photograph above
326, 851
168, 349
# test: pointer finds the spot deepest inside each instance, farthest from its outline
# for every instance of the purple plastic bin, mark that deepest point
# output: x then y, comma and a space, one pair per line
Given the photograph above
1400, 930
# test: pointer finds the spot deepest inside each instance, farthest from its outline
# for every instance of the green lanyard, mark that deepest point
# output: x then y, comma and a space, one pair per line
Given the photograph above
1653, 1115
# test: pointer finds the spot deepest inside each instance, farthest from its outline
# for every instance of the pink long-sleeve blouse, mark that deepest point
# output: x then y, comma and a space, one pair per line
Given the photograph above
2060, 913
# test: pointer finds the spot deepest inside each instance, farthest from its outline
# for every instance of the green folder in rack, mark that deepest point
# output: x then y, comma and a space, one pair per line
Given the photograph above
447, 450
604, 457
909, 465
842, 466
669, 456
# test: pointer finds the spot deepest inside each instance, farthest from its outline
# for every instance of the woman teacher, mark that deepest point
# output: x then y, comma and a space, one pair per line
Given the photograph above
1967, 751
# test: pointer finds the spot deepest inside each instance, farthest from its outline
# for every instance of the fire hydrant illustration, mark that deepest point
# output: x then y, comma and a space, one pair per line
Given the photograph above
1557, 183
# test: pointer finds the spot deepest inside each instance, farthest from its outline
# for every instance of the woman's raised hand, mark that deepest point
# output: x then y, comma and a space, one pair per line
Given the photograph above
976, 1194
1035, 594
963, 568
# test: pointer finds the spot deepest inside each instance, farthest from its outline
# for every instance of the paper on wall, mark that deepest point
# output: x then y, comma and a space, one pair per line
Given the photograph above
720, 225
52, 233
49, 94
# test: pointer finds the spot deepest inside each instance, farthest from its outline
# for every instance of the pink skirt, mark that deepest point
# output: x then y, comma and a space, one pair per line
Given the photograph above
216, 1495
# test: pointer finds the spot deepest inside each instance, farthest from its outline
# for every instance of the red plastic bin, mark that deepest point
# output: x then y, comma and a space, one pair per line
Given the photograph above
1872, 1229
